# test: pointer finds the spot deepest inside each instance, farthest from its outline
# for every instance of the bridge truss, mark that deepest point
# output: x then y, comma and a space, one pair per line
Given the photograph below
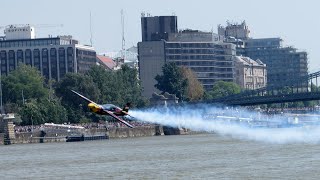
303, 89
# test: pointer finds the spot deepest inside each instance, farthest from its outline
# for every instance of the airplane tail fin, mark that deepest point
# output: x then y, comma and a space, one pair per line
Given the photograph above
126, 107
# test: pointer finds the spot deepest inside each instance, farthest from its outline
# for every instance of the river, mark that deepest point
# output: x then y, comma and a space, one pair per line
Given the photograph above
208, 156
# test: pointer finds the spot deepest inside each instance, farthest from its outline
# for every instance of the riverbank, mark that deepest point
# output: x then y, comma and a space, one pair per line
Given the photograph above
48, 135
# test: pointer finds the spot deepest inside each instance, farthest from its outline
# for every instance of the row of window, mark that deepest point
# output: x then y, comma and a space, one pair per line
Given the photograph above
198, 57
30, 43
194, 51
213, 70
205, 63
194, 45
26, 57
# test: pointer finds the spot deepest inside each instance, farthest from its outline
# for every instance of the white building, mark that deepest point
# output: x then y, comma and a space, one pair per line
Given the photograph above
13, 32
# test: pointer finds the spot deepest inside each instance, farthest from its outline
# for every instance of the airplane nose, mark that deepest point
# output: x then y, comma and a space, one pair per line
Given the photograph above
92, 107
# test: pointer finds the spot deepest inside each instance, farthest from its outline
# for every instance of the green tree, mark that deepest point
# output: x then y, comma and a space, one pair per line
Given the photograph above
31, 113
195, 89
129, 86
222, 89
25, 83
76, 106
172, 80
53, 111
118, 87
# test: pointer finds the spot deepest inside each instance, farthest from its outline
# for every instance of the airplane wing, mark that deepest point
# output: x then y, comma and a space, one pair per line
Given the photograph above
119, 119
83, 97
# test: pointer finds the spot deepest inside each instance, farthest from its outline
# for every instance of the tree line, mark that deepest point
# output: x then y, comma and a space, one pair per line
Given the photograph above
36, 100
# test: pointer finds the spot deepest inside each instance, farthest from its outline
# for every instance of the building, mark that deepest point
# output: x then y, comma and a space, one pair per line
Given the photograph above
52, 56
155, 28
283, 62
106, 62
130, 56
209, 58
203, 52
151, 59
237, 31
250, 74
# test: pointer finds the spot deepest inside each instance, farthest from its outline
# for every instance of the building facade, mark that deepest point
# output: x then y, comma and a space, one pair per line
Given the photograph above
53, 57
155, 28
151, 59
210, 59
250, 74
284, 63
203, 52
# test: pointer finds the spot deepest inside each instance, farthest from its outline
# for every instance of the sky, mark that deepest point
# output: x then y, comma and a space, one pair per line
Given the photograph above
295, 21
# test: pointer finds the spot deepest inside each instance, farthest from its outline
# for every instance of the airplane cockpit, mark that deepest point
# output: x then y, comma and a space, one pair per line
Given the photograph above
110, 107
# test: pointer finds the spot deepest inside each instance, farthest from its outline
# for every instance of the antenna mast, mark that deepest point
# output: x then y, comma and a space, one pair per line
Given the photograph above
123, 40
90, 30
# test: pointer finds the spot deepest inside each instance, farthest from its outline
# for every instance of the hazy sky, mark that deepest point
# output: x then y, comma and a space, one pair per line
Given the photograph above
295, 21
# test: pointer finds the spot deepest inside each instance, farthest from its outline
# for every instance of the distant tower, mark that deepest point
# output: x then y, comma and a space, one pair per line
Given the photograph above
123, 40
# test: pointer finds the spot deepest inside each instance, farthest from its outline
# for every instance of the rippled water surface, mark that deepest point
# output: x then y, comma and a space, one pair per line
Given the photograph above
207, 156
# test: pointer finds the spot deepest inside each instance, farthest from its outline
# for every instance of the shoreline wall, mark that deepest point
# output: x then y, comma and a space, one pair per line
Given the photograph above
1, 138
61, 135
135, 132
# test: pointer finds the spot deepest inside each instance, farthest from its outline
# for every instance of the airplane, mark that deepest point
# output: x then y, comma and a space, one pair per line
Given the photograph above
107, 109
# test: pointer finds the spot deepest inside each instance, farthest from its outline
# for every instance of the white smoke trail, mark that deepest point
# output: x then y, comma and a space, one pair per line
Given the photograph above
217, 120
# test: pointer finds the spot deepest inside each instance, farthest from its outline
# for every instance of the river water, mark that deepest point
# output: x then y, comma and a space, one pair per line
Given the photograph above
208, 156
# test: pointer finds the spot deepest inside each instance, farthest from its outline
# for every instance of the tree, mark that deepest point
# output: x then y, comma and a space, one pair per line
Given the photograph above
118, 87
172, 80
194, 89
24, 83
31, 113
222, 89
129, 86
73, 104
53, 111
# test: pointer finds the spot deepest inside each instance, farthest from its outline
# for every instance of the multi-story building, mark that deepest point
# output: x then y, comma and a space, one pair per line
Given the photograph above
53, 56
283, 63
155, 28
250, 74
209, 58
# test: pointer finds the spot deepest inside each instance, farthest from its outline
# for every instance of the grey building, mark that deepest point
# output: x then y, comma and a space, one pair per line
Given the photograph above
209, 58
155, 28
151, 59
283, 62
53, 57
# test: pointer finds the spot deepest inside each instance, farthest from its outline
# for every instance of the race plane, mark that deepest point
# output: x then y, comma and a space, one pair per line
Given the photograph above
107, 109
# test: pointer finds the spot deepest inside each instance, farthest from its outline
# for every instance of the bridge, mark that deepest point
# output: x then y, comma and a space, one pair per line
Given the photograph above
303, 89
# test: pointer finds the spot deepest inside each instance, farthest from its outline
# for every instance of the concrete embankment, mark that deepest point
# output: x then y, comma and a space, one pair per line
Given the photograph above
65, 135
1, 138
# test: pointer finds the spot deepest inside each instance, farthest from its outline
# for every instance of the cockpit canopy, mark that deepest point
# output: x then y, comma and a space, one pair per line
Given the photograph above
110, 107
